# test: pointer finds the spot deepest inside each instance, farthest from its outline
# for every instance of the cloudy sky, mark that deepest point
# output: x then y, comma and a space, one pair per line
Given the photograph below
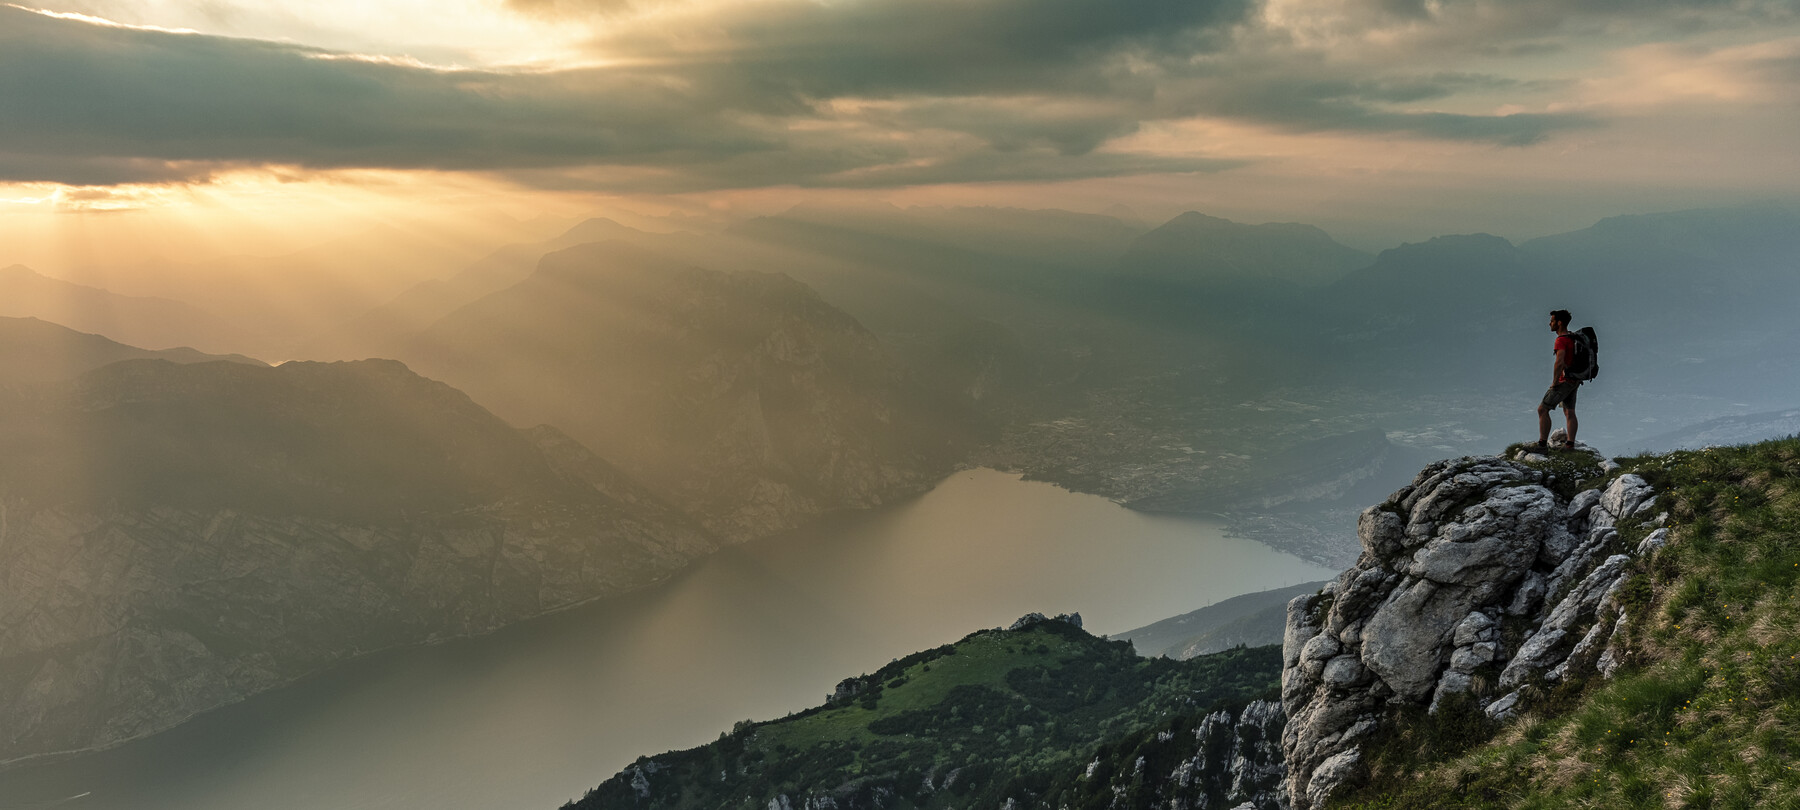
1379, 119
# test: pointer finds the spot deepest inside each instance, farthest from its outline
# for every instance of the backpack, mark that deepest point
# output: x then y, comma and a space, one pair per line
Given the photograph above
1584, 359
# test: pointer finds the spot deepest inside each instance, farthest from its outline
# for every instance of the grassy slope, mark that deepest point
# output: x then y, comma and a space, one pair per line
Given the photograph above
1706, 712
1011, 709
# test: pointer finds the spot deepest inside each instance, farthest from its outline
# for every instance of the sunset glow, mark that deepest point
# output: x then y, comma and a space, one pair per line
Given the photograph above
300, 112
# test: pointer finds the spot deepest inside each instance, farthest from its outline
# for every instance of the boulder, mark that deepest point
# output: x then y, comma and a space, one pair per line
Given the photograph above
1418, 617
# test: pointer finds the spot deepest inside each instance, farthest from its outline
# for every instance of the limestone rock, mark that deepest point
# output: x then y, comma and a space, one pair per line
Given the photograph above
1505, 707
1416, 619
1625, 497
1031, 619
1476, 627
1612, 657
1552, 640
1581, 505
1467, 659
1235, 761
1528, 597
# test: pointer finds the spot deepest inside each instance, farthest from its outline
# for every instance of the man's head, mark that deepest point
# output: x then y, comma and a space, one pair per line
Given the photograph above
1559, 319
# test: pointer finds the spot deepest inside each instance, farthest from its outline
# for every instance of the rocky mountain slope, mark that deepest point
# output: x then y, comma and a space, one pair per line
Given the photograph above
137, 320
1484, 576
33, 350
1251, 620
1522, 630
1684, 692
382, 331
1039, 715
177, 537
745, 398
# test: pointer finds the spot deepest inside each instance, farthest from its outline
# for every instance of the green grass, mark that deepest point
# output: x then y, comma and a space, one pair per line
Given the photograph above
1008, 711
1571, 471
1706, 712
980, 660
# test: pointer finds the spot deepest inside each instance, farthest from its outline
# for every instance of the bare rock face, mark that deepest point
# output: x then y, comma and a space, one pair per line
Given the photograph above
1235, 763
1472, 543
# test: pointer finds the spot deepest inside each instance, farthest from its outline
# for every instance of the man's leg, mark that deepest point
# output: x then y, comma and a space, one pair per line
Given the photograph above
1569, 416
1543, 424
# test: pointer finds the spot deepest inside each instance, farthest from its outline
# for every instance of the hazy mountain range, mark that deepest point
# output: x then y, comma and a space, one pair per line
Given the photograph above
178, 536
1250, 620
1208, 253
157, 323
744, 397
1240, 342
691, 397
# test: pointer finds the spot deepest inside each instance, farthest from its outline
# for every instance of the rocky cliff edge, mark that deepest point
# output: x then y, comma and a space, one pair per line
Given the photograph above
1485, 577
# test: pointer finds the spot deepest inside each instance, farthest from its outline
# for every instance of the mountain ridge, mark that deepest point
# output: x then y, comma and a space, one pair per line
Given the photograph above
1200, 251
136, 320
179, 537
747, 397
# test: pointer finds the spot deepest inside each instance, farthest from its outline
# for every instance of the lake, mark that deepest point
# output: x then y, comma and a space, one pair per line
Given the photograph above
534, 715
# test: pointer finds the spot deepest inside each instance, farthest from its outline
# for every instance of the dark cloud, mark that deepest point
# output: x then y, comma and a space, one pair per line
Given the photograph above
98, 170
84, 100
89, 104
1305, 104
755, 170
944, 47
1515, 28
776, 92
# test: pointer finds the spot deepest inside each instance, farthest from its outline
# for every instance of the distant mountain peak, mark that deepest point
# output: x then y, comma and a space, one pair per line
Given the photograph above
136, 320
33, 349
593, 230
1199, 250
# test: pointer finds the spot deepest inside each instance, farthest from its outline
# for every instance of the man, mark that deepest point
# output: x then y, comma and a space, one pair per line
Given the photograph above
1562, 389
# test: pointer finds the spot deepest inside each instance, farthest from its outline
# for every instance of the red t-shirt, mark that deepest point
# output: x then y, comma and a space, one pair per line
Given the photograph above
1564, 342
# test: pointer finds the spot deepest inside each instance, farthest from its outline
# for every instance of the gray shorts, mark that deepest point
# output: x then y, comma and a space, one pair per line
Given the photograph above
1562, 393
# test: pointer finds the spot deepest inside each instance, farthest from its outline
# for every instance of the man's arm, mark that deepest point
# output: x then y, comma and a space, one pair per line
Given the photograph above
1556, 368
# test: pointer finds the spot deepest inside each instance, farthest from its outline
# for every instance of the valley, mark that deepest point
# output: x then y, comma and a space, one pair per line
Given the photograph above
538, 712
570, 422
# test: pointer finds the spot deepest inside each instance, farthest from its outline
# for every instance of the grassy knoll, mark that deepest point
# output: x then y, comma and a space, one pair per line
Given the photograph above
999, 714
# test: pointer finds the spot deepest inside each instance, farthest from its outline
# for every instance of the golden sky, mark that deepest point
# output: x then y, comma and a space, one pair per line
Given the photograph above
196, 127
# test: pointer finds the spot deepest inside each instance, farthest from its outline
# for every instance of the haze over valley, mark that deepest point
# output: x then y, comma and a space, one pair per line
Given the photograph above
459, 407
630, 408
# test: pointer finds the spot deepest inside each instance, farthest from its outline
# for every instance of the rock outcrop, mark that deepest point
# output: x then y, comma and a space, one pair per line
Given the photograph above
1231, 761
1474, 581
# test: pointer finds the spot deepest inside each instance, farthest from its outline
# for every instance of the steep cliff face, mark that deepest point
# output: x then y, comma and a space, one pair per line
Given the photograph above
178, 537
745, 398
1228, 760
1483, 576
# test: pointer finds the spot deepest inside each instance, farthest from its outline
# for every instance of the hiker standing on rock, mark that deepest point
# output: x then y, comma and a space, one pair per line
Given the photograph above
1565, 378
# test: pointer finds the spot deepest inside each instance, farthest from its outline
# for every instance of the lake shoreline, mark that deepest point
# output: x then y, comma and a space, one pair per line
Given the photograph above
551, 705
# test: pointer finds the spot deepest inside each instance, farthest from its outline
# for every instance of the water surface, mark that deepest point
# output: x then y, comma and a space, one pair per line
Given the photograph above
534, 715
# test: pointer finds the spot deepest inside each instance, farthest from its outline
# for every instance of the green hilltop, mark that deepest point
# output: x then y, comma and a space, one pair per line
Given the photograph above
1000, 714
